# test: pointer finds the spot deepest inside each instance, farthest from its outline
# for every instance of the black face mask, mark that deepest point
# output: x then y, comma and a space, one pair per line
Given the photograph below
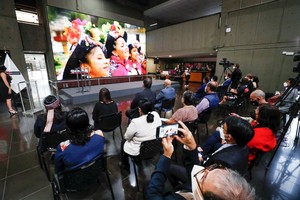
254, 103
253, 115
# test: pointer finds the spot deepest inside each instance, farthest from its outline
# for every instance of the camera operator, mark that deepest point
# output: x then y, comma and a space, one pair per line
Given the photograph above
235, 76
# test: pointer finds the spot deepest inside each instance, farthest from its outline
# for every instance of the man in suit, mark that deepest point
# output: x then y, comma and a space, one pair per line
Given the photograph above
231, 153
167, 93
202, 185
146, 94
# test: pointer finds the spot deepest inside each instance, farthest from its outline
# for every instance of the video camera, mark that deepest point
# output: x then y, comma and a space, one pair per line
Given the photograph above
297, 59
226, 63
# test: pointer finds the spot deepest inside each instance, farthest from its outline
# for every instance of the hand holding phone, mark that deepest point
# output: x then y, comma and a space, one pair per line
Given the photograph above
166, 130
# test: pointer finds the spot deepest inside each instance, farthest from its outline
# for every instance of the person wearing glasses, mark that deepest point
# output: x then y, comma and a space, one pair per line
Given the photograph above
205, 181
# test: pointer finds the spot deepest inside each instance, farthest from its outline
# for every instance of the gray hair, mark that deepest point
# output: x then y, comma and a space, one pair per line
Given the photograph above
230, 185
259, 93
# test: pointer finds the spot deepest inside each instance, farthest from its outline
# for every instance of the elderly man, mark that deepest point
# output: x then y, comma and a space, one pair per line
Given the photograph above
211, 100
167, 93
205, 182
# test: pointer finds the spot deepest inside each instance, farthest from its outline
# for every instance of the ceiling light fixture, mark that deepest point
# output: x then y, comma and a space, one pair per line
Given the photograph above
154, 24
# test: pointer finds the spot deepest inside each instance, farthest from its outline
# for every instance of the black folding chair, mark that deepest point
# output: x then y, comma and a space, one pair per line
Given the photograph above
148, 150
80, 178
47, 146
167, 105
108, 123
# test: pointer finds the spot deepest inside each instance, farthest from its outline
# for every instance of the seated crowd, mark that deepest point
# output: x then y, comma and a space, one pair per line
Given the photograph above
226, 153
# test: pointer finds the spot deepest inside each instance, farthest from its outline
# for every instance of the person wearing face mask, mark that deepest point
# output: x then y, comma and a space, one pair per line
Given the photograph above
205, 181
257, 98
201, 90
290, 98
236, 76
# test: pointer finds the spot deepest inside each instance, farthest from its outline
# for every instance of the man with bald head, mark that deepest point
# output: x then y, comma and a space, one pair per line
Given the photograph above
211, 100
257, 98
167, 92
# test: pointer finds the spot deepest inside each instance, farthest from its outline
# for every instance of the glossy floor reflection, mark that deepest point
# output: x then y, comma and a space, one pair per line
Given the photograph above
22, 178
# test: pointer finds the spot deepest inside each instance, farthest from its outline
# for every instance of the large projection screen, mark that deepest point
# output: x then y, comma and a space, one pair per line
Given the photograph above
94, 46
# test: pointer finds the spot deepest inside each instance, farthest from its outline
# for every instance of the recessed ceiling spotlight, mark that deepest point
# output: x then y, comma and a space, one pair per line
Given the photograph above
170, 56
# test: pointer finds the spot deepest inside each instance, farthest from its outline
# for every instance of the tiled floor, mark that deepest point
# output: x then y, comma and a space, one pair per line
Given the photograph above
22, 178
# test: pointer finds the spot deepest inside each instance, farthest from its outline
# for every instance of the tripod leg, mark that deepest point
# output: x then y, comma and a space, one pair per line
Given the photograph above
285, 129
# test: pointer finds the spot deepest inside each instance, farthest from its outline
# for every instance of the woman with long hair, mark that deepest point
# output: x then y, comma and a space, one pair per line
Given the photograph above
84, 145
104, 106
265, 127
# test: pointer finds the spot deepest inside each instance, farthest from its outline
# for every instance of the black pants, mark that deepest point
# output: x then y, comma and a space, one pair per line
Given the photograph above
187, 78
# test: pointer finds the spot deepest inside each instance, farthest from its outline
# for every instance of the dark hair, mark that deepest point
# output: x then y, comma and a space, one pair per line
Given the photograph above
215, 78
2, 68
206, 78
189, 98
146, 108
269, 116
147, 82
58, 113
130, 47
229, 75
244, 81
237, 65
240, 129
79, 56
292, 81
111, 43
104, 95
78, 124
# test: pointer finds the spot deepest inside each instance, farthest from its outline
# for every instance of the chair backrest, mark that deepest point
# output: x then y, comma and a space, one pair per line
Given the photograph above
191, 125
204, 116
49, 141
150, 148
109, 122
167, 104
83, 177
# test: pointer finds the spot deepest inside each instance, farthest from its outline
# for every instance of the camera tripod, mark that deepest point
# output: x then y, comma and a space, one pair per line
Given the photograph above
293, 113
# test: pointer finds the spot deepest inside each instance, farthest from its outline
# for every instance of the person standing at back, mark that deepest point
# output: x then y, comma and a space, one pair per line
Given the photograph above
235, 76
6, 91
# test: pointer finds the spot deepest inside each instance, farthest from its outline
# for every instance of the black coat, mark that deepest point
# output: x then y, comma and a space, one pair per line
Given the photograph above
234, 157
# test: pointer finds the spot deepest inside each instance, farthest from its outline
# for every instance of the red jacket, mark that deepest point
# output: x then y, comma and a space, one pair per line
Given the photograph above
264, 139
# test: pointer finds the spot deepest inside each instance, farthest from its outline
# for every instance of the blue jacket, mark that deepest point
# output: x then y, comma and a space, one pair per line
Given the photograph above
166, 93
213, 100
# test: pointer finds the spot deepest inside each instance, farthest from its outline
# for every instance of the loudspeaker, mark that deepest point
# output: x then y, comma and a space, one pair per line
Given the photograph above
156, 60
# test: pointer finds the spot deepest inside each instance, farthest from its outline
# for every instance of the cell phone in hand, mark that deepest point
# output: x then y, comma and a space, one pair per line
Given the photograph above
167, 130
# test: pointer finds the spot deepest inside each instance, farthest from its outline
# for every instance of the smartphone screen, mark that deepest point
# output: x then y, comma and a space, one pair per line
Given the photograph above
167, 130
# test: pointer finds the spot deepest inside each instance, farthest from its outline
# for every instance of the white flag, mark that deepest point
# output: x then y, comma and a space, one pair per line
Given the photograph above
16, 75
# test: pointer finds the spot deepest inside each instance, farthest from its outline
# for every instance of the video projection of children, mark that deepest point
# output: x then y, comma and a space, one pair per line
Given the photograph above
94, 46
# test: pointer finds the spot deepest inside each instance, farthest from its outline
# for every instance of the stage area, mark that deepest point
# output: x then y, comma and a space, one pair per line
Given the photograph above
75, 96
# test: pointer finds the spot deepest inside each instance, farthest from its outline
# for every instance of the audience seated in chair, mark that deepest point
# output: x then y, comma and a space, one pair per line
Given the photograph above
201, 90
167, 93
146, 94
210, 101
104, 106
188, 112
84, 146
265, 123
206, 183
139, 130
54, 119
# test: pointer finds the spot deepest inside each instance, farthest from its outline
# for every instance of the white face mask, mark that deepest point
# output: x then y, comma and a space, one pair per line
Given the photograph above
285, 84
195, 188
233, 67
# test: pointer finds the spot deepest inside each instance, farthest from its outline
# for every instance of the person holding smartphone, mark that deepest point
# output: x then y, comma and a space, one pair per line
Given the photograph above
205, 181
